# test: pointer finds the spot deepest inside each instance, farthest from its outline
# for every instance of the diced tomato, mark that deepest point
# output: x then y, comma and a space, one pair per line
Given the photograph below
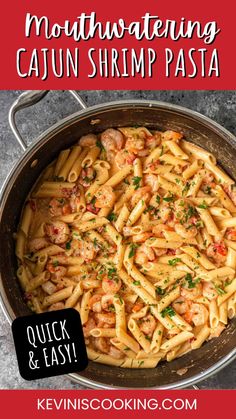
193, 220
130, 158
231, 234
188, 316
32, 204
51, 268
91, 208
66, 209
221, 248
171, 252
137, 307
154, 165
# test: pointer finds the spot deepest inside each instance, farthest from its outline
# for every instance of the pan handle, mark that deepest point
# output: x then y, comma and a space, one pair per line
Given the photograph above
29, 98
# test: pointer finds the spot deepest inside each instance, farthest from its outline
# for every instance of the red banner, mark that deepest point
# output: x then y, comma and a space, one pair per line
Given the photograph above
130, 404
120, 45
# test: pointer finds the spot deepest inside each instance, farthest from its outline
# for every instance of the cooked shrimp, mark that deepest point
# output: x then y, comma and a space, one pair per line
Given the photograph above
208, 178
105, 197
111, 285
147, 324
200, 314
181, 305
112, 140
160, 252
231, 191
186, 232
154, 140
141, 193
56, 206
152, 181
86, 250
218, 252
57, 306
57, 272
181, 205
58, 232
37, 244
208, 181
142, 237
209, 290
124, 158
49, 287
165, 212
88, 140
107, 302
171, 135
231, 234
134, 145
159, 228
178, 169
144, 254
116, 353
75, 204
86, 177
191, 293
89, 325
95, 303
102, 345
105, 318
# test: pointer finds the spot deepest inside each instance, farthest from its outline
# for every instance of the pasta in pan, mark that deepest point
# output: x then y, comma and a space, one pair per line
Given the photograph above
136, 230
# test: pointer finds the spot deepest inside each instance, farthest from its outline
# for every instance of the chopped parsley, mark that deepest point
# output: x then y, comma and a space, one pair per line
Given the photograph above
87, 179
203, 205
162, 151
68, 245
169, 198
158, 199
111, 272
136, 182
220, 290
136, 283
186, 188
168, 311
189, 280
160, 291
120, 298
191, 211
151, 209
133, 246
173, 262
208, 190
58, 178
99, 144
55, 263
112, 216
199, 224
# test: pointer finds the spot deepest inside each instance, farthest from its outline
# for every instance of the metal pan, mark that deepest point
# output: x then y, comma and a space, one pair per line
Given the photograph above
198, 364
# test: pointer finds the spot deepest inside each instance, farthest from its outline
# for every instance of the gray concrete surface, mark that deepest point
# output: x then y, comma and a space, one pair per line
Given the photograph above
220, 106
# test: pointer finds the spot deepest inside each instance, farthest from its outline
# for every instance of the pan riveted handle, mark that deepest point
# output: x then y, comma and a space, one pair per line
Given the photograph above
27, 99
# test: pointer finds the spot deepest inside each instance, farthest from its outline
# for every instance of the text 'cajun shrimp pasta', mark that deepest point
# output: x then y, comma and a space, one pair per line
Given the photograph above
136, 230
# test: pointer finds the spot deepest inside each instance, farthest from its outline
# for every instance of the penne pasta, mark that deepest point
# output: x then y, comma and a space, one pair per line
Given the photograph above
135, 229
